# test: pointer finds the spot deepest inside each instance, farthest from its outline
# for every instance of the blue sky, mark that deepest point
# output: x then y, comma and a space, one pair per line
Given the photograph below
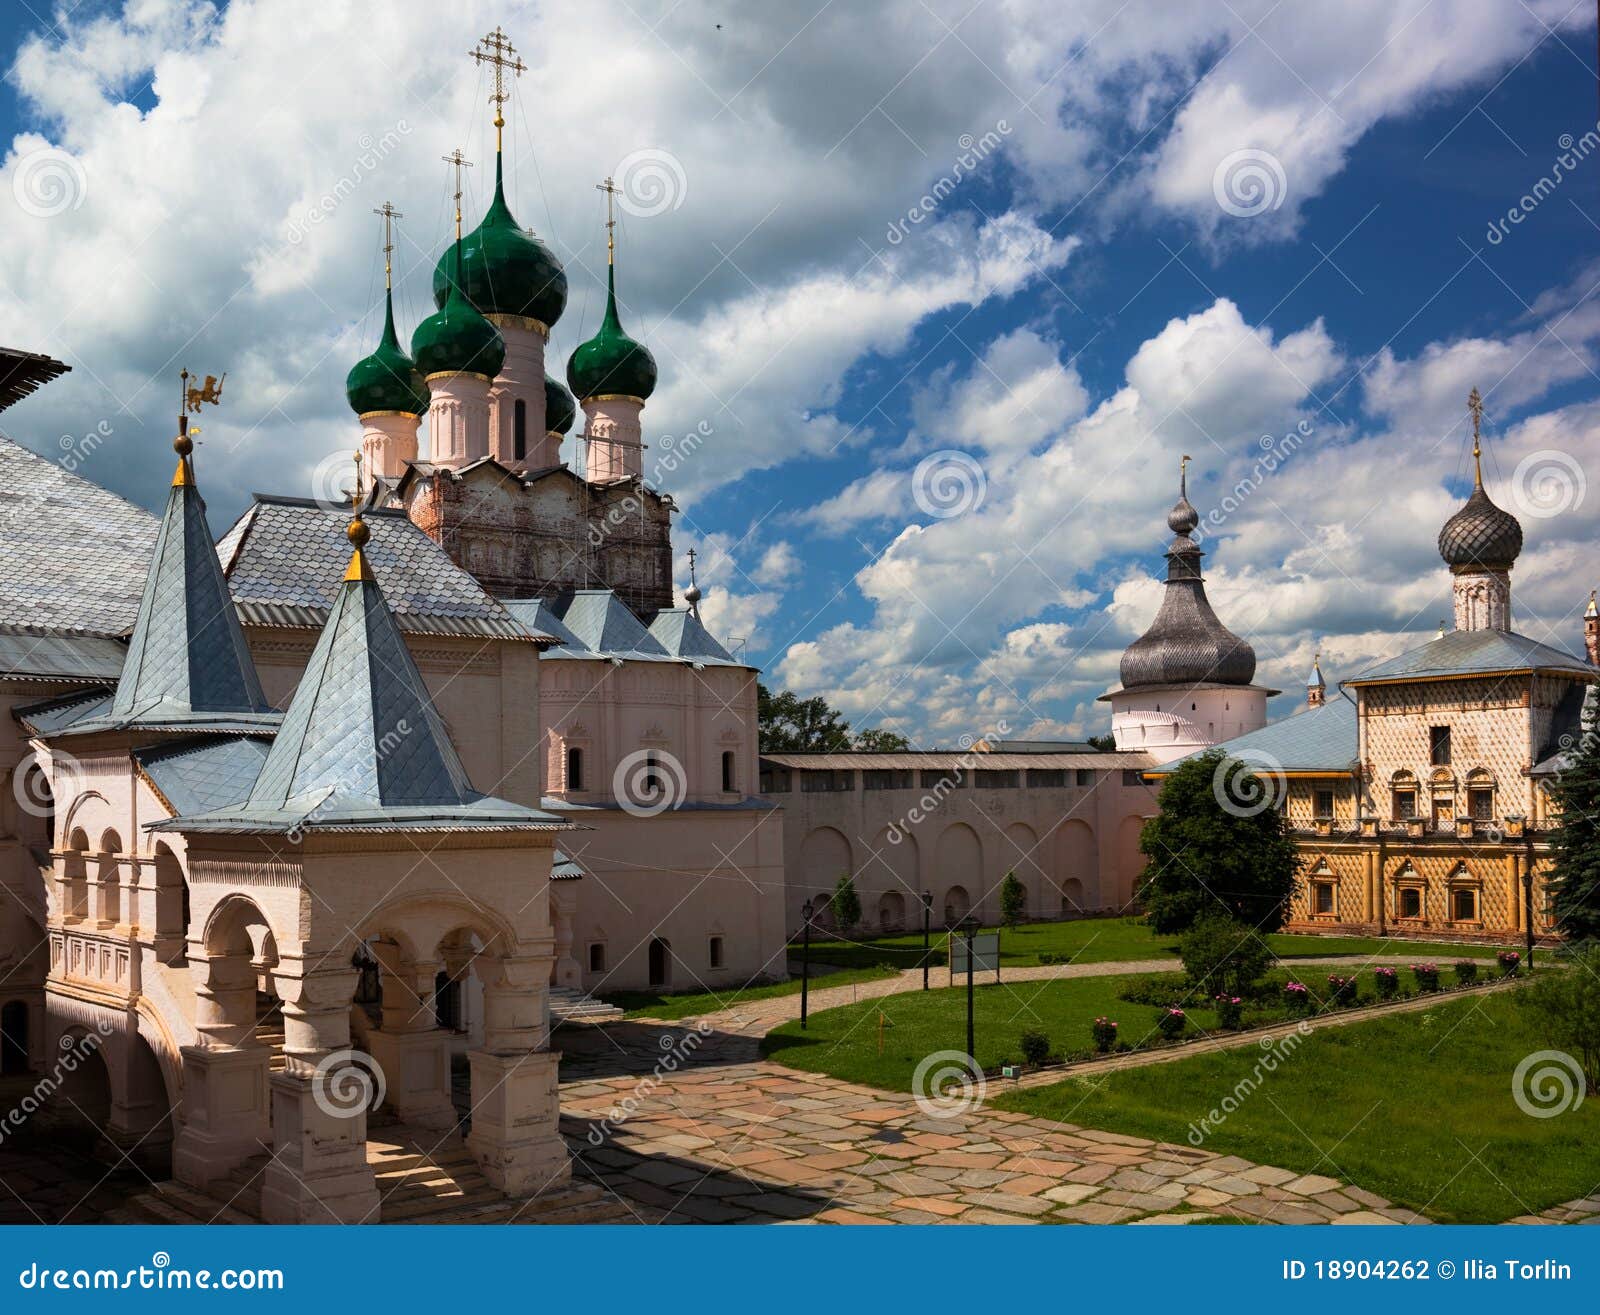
1073, 315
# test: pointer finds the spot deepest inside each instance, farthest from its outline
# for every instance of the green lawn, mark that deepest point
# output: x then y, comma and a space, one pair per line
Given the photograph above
1402, 1105
655, 1004
1109, 940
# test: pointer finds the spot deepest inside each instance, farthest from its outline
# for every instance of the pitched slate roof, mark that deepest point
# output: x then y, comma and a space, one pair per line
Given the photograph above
284, 556
28, 656
22, 372
683, 635
50, 716
535, 616
604, 625
73, 556
188, 667
1467, 652
940, 760
1579, 704
199, 775
361, 746
1321, 739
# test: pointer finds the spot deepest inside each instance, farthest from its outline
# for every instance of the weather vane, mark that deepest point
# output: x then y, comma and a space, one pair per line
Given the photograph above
210, 391
498, 52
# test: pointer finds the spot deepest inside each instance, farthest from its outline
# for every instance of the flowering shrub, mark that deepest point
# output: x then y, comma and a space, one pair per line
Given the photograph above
1427, 975
1171, 1022
1341, 990
1510, 961
1230, 1012
1466, 972
1104, 1032
1387, 981
1296, 997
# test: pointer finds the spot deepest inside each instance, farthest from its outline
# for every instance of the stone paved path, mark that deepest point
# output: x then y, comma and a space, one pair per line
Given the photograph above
728, 1137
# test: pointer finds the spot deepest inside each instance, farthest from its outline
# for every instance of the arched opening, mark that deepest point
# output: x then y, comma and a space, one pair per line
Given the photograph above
108, 875
172, 907
14, 1038
660, 962
75, 875
959, 864
727, 772
81, 1110
956, 905
519, 429
892, 911
1071, 898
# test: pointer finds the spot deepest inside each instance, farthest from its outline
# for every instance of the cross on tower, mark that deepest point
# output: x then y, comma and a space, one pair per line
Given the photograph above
390, 214
460, 162
610, 189
1475, 408
497, 51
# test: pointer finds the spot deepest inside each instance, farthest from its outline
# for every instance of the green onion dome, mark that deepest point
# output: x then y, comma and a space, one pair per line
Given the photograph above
611, 363
559, 410
503, 270
457, 337
388, 379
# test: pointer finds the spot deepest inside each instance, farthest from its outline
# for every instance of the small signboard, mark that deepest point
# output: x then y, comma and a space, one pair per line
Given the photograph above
985, 954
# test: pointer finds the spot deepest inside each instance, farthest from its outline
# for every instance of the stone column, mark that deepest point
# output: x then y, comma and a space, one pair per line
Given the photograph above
564, 913
515, 1133
226, 1114
319, 1172
411, 1052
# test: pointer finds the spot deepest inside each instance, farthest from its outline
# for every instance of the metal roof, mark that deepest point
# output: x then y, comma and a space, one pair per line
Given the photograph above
284, 557
28, 656
1321, 739
605, 627
50, 716
1474, 652
22, 372
682, 634
73, 556
940, 759
198, 776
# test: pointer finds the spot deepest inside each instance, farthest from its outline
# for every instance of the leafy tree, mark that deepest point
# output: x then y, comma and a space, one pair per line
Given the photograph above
1013, 900
1566, 1003
1218, 845
1222, 956
791, 724
1104, 743
846, 904
1575, 879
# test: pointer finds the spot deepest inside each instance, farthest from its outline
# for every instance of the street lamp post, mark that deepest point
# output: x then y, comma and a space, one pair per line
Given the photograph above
806, 911
927, 914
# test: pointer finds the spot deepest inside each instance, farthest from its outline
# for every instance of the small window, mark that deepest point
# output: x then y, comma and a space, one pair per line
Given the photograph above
1132, 776
1439, 746
1410, 902
1085, 777
519, 429
597, 957
574, 769
716, 951
1464, 905
727, 772
776, 780
826, 782
651, 784
941, 781
1480, 803
1324, 897
1405, 805
1325, 803
879, 778
1047, 778
994, 780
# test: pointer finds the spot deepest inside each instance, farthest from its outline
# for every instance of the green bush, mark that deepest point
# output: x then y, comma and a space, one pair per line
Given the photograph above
1035, 1046
1171, 1022
1342, 990
1230, 1012
1157, 989
1387, 982
1566, 1002
1466, 972
846, 904
1104, 1032
1222, 955
1510, 961
1427, 975
1296, 998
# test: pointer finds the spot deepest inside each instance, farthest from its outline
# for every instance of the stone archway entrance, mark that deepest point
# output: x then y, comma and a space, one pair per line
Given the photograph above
660, 962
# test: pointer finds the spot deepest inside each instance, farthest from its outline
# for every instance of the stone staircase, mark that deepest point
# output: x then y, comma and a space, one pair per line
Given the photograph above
568, 1005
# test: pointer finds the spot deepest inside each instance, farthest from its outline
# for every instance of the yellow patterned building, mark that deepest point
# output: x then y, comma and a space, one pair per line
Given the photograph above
1417, 791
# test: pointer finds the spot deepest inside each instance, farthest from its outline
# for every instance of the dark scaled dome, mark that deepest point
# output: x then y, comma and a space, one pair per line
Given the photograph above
1480, 534
457, 337
1186, 644
559, 410
611, 363
504, 271
388, 379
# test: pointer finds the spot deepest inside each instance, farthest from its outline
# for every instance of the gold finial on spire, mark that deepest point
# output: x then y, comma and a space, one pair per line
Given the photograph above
358, 532
460, 162
497, 51
610, 189
390, 214
183, 445
1475, 408
357, 495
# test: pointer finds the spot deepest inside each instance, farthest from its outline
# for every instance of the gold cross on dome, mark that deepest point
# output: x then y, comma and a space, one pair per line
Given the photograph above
460, 162
390, 214
498, 52
1475, 407
610, 189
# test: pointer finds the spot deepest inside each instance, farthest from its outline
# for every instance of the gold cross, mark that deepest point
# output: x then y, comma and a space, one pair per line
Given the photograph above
390, 214
1475, 406
610, 189
461, 162
494, 49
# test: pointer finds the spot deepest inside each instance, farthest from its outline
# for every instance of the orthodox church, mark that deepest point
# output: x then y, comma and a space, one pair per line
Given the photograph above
1415, 790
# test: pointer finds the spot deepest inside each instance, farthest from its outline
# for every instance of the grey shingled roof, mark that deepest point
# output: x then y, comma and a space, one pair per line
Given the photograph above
197, 776
1312, 740
188, 667
1578, 704
1464, 652
284, 557
535, 616
361, 746
28, 656
682, 634
604, 625
73, 556
51, 716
